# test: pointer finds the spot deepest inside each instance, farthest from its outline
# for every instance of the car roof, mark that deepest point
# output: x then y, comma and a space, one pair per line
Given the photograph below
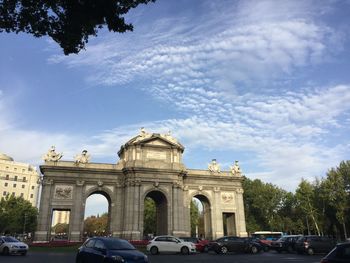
345, 244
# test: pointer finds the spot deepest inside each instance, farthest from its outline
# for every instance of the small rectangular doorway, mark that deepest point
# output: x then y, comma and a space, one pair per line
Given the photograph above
229, 224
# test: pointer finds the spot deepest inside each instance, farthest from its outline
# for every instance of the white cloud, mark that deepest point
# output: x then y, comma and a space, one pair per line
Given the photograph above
220, 73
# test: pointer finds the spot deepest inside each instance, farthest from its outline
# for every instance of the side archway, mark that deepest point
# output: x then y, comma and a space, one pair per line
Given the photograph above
160, 218
205, 222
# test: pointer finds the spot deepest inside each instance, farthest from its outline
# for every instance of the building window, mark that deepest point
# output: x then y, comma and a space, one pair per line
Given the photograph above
24, 179
15, 169
13, 193
23, 186
16, 178
4, 193
31, 196
6, 184
14, 185
7, 167
7, 177
22, 194
33, 187
23, 170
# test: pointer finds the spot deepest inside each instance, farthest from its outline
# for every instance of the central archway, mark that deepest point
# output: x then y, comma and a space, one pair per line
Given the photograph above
161, 212
97, 214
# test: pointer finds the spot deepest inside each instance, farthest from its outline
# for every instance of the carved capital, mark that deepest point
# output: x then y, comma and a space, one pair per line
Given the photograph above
80, 182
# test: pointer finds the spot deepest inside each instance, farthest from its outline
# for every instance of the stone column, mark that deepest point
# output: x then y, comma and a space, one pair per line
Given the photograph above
185, 221
45, 213
131, 228
217, 220
117, 211
76, 221
241, 227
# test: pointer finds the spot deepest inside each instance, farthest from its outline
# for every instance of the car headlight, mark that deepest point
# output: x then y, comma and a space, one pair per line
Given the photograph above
14, 246
145, 258
118, 259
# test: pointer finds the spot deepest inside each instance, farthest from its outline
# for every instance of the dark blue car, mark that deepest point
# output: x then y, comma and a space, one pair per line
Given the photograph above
106, 249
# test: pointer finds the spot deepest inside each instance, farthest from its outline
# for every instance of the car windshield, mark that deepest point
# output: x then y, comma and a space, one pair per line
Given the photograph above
10, 239
119, 244
283, 239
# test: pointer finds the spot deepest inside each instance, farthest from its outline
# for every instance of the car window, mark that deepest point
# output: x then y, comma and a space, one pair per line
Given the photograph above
172, 239
90, 243
162, 239
346, 253
99, 245
10, 239
118, 244
343, 252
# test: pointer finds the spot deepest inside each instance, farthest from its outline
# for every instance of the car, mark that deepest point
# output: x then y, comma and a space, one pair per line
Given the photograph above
265, 247
108, 249
201, 244
314, 244
10, 245
227, 244
339, 254
285, 243
160, 244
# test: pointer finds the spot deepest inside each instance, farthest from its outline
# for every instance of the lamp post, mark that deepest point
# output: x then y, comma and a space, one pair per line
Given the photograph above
24, 224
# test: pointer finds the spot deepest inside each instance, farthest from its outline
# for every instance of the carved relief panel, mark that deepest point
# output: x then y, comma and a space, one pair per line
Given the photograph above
63, 192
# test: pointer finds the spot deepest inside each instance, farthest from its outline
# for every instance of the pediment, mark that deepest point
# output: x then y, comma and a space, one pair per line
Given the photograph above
158, 142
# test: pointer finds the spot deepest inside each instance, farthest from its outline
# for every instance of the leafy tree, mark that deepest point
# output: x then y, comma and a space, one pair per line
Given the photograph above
60, 228
149, 221
305, 195
194, 215
17, 215
338, 195
70, 23
263, 203
96, 225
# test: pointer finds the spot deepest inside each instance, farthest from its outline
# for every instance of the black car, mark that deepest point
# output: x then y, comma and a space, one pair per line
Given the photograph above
340, 254
314, 244
285, 243
234, 244
106, 249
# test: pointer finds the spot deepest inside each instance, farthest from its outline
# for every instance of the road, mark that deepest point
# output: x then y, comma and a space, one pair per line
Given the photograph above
269, 257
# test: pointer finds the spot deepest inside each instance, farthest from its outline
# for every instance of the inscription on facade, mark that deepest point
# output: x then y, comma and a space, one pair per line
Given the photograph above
156, 155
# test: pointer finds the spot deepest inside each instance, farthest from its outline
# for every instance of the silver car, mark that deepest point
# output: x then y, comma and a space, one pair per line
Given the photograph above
10, 245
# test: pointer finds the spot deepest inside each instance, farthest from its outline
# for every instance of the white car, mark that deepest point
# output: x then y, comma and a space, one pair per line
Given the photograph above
173, 244
10, 245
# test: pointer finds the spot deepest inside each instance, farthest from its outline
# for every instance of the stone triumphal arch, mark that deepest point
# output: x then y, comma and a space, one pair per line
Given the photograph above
151, 166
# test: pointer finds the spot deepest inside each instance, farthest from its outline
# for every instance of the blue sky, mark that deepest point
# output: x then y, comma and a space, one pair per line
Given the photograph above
263, 82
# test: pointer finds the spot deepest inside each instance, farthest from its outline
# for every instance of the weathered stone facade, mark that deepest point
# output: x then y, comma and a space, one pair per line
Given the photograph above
150, 165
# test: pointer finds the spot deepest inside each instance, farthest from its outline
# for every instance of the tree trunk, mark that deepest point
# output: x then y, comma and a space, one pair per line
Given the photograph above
344, 228
316, 225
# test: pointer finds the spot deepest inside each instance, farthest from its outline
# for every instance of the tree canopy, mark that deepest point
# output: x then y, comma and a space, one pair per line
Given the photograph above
17, 215
321, 207
70, 23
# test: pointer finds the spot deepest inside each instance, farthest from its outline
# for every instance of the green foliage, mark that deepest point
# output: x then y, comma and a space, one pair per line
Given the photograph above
60, 228
267, 207
194, 216
17, 215
96, 225
149, 221
319, 207
70, 23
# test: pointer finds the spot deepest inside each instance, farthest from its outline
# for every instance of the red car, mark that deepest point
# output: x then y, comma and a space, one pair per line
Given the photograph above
201, 244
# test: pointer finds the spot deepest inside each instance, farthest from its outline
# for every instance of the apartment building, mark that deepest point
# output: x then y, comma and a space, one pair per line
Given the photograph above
18, 179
